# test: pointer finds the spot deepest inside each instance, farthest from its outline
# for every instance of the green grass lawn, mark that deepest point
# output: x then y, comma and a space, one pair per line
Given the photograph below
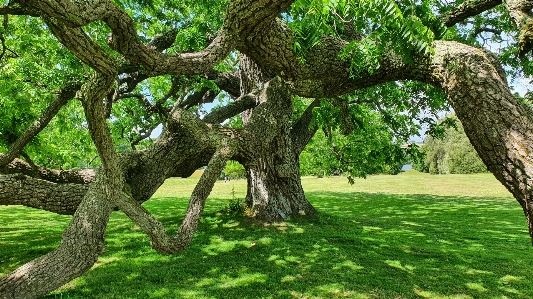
407, 236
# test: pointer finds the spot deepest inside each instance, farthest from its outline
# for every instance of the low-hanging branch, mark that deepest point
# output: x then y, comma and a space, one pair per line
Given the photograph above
17, 166
19, 189
155, 229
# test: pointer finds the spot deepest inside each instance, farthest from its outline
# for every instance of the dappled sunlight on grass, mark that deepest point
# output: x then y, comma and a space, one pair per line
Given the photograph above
433, 295
398, 265
224, 281
219, 245
347, 265
28, 231
362, 244
476, 286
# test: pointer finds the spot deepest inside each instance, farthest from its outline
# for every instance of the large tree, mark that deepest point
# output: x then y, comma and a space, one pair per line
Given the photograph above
131, 65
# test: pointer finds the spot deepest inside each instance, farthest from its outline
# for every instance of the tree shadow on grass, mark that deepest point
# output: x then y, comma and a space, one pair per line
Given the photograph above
359, 246
27, 233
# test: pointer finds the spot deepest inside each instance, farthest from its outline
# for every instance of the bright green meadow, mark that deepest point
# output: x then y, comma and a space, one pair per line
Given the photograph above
407, 236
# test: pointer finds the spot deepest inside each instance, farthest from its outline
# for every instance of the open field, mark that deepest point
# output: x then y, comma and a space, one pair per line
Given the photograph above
407, 236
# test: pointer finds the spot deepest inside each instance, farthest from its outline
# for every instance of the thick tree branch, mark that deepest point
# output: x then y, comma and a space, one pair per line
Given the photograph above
125, 41
18, 166
17, 11
228, 82
84, 48
2, 38
154, 228
161, 42
134, 72
178, 152
19, 189
71, 13
204, 95
243, 18
324, 74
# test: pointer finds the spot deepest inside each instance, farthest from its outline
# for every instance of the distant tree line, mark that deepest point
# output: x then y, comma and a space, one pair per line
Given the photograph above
450, 153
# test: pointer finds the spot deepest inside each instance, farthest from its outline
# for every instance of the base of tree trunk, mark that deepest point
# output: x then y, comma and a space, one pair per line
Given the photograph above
272, 198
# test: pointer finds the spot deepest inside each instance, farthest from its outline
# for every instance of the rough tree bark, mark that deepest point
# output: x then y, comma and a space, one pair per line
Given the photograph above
82, 243
520, 12
274, 189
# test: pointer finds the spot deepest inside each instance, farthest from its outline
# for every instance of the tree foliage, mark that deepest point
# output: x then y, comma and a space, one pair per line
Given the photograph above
234, 170
374, 27
368, 148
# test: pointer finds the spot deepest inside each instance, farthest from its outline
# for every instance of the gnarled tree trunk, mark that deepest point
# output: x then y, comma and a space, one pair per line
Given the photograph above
271, 161
83, 240
274, 187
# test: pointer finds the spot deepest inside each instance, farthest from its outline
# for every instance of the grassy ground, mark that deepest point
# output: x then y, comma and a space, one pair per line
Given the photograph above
407, 236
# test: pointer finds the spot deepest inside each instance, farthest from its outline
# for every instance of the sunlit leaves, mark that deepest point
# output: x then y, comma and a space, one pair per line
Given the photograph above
365, 56
409, 108
372, 27
197, 21
29, 82
66, 142
383, 117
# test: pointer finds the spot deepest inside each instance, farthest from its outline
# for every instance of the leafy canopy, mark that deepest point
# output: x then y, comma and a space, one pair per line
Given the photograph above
371, 27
